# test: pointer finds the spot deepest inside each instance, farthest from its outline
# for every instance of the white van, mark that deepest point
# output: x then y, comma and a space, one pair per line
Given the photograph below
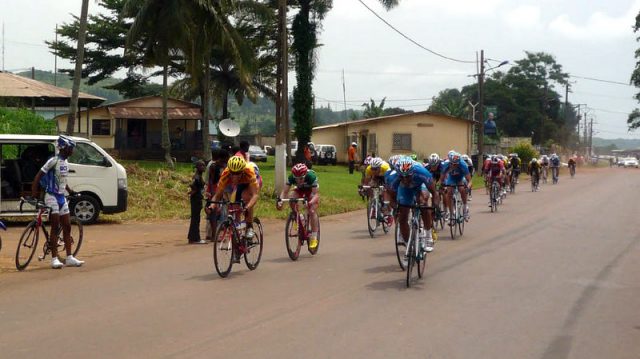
101, 181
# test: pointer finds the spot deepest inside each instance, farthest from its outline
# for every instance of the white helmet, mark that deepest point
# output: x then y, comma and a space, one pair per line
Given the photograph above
375, 162
434, 159
465, 158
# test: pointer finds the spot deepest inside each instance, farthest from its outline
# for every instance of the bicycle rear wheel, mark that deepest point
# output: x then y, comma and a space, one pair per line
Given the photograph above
223, 248
494, 197
292, 237
77, 233
461, 220
253, 251
372, 217
453, 218
27, 246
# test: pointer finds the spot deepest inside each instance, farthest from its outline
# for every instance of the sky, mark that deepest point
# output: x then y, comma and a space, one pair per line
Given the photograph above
589, 38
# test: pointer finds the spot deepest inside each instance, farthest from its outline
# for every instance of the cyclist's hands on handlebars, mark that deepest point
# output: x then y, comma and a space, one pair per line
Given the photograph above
278, 204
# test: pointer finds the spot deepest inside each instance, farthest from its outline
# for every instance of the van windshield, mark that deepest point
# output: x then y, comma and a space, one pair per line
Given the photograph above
85, 154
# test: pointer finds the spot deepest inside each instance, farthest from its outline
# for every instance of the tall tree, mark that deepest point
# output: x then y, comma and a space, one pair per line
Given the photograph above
77, 75
450, 102
371, 110
633, 121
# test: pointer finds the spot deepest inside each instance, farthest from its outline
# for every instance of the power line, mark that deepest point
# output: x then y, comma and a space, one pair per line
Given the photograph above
378, 73
411, 40
26, 43
600, 80
361, 101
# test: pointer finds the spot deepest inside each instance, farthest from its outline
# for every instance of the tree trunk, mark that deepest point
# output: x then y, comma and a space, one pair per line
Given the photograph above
166, 144
77, 74
206, 147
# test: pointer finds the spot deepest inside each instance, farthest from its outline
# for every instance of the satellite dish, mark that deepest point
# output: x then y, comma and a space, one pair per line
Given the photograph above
229, 127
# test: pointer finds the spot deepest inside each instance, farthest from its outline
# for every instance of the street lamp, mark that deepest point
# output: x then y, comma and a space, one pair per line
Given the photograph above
481, 101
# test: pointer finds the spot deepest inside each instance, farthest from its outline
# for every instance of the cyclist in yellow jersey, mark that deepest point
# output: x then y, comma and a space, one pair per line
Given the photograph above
374, 176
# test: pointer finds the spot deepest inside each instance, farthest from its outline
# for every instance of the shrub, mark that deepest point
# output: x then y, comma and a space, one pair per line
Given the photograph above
23, 121
525, 151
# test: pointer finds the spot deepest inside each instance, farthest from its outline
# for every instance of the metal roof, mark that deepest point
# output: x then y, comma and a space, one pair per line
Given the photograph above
367, 120
44, 95
154, 113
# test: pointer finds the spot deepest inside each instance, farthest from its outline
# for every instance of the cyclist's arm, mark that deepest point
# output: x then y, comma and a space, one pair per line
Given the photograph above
253, 191
285, 191
36, 184
432, 189
315, 196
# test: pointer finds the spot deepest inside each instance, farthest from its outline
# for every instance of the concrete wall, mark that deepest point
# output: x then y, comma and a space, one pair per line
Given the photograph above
429, 134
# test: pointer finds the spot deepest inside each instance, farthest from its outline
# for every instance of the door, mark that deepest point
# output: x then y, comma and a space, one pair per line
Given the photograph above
136, 133
363, 149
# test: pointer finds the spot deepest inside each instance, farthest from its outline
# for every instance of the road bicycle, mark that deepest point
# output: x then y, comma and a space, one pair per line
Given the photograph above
534, 181
230, 242
298, 228
572, 170
513, 181
375, 217
31, 235
414, 253
555, 173
494, 195
544, 174
456, 219
438, 212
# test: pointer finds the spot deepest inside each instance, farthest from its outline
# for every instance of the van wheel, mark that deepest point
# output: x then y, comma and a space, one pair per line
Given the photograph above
85, 209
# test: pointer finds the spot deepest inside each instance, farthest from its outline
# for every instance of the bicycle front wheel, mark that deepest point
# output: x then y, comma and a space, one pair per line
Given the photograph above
77, 232
453, 218
223, 251
27, 246
400, 248
372, 217
411, 255
253, 250
461, 220
292, 237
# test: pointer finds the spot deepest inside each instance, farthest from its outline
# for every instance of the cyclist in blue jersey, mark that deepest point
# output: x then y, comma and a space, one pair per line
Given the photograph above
456, 173
413, 184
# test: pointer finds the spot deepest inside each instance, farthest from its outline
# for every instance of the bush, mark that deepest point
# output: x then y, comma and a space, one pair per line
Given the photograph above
525, 151
23, 121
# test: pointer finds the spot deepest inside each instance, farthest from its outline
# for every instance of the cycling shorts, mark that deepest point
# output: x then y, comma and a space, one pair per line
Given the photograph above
303, 193
453, 181
57, 202
406, 196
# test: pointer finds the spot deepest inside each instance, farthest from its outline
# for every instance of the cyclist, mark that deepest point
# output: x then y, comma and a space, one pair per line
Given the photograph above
375, 176
514, 164
56, 170
572, 165
456, 173
544, 163
554, 163
412, 184
496, 172
306, 183
534, 171
243, 178
469, 163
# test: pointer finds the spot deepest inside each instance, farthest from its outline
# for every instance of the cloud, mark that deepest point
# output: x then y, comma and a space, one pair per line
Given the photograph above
523, 17
599, 26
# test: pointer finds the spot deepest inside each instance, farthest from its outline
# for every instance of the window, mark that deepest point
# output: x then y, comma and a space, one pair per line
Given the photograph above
101, 127
402, 141
85, 154
373, 145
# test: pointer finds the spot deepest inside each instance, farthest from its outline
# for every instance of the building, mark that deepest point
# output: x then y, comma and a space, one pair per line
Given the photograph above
422, 133
132, 128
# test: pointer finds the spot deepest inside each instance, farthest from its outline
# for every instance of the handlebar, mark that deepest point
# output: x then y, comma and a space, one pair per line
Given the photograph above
370, 187
32, 201
292, 200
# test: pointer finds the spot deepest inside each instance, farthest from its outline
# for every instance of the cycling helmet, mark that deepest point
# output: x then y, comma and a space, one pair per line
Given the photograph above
534, 160
375, 163
434, 159
450, 154
299, 170
465, 158
367, 161
236, 164
495, 159
65, 142
393, 160
413, 156
405, 166
455, 158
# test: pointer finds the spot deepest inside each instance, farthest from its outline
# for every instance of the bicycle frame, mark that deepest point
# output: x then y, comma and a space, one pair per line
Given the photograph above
303, 232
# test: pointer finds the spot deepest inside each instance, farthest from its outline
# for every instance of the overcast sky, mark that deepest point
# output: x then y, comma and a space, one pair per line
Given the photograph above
588, 38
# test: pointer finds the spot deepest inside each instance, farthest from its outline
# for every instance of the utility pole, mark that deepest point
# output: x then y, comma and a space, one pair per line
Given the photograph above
282, 100
3, 46
590, 138
77, 74
481, 110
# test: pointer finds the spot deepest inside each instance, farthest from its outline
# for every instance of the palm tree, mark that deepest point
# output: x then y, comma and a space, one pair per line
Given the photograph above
371, 110
158, 30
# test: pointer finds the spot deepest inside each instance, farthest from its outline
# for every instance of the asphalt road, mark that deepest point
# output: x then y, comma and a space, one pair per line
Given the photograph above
553, 274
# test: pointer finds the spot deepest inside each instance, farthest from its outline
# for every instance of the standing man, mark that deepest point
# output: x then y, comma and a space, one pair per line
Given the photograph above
352, 157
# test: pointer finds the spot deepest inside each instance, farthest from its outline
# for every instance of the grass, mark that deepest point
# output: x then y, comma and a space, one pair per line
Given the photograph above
157, 193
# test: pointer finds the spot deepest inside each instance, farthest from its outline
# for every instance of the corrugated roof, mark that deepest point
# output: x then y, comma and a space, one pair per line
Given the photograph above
152, 113
366, 120
45, 95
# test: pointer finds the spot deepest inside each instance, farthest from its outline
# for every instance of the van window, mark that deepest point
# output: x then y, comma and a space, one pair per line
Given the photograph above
85, 154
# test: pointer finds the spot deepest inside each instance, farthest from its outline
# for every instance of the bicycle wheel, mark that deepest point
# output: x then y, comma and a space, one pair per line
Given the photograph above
223, 248
453, 218
411, 255
253, 250
292, 237
400, 248
494, 197
27, 246
460, 217
372, 217
385, 226
77, 232
315, 250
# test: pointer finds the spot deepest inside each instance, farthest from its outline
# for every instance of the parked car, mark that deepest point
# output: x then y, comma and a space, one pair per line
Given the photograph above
312, 148
326, 154
257, 154
270, 150
630, 162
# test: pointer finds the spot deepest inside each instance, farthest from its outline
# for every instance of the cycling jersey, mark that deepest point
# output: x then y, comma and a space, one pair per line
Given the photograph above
534, 167
572, 162
455, 175
435, 171
515, 164
383, 169
555, 162
310, 181
495, 169
420, 180
247, 176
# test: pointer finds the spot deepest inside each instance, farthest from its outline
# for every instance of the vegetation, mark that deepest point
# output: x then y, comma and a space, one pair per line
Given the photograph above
156, 193
633, 121
23, 121
525, 151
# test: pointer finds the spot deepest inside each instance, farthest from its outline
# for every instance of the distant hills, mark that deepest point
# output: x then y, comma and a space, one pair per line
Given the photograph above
65, 81
620, 143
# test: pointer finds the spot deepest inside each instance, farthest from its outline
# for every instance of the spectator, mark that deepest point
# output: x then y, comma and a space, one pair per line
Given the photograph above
215, 167
307, 155
352, 157
195, 196
243, 151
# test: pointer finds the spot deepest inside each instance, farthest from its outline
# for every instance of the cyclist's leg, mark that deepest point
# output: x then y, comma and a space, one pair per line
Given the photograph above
405, 198
54, 217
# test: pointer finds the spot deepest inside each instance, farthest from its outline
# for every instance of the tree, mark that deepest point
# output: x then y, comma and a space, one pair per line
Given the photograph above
450, 102
77, 74
371, 110
633, 121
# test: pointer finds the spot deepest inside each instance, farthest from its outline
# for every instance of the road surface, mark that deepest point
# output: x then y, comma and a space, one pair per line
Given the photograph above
553, 274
